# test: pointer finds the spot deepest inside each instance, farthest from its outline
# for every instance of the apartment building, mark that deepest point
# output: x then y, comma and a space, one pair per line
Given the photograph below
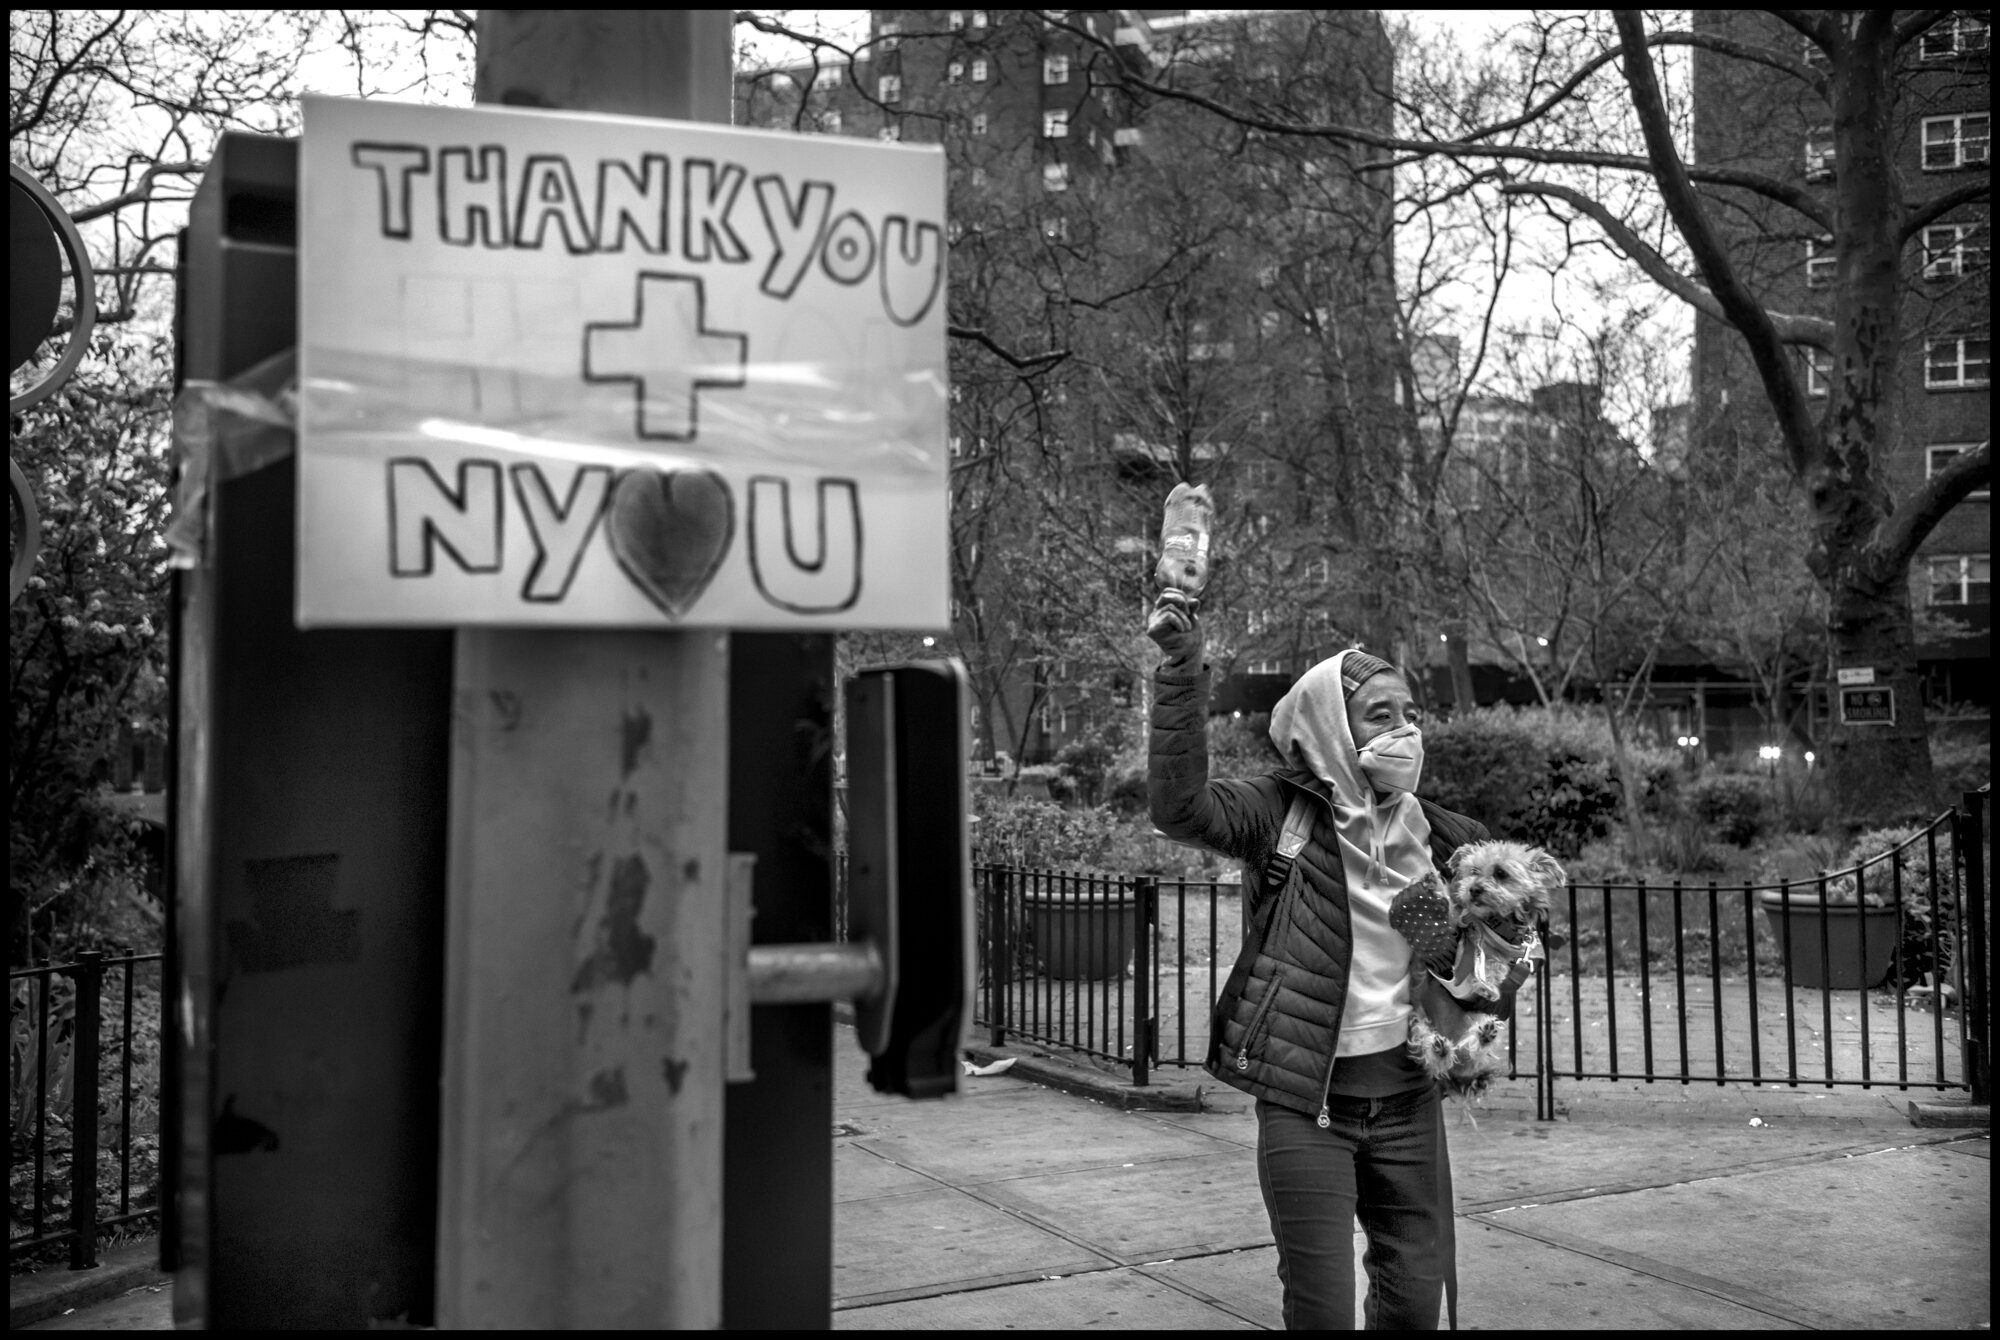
1746, 115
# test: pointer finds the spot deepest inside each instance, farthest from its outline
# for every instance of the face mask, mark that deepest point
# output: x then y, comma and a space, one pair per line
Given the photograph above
1394, 760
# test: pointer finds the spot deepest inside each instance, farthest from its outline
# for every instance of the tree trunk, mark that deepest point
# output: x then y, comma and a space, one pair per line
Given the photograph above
1880, 773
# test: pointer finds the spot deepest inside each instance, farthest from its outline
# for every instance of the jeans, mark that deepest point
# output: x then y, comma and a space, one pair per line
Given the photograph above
1383, 1160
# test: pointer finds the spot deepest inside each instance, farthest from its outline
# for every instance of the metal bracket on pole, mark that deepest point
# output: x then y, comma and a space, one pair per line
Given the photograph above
786, 974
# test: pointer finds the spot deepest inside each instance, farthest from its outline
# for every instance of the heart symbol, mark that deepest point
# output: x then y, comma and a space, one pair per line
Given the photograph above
669, 531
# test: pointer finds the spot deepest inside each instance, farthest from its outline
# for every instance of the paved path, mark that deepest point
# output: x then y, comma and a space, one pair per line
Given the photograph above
1654, 1207
1014, 1205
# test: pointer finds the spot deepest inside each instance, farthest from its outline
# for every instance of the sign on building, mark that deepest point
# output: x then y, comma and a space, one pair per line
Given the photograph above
565, 369
1867, 707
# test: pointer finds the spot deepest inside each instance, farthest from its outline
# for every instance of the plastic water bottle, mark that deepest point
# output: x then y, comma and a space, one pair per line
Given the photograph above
1184, 533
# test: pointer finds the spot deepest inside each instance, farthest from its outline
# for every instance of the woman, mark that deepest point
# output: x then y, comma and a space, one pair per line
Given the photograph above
1314, 1018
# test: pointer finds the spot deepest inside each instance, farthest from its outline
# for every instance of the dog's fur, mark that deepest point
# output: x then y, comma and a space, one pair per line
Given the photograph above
1503, 887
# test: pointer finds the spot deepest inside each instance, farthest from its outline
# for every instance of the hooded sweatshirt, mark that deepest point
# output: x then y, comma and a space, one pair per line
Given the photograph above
1384, 845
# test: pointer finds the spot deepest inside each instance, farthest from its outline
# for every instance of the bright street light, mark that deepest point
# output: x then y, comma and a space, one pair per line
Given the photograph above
930, 642
1769, 753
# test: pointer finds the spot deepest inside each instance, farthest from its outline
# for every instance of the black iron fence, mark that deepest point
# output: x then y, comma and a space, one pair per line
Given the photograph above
64, 1127
1874, 976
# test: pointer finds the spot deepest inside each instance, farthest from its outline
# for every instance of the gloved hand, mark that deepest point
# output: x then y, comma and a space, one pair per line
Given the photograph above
1174, 627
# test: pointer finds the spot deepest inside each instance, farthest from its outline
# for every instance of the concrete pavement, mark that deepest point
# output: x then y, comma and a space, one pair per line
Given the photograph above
1018, 1205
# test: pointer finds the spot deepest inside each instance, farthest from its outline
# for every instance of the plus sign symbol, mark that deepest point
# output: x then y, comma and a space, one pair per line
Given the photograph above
667, 352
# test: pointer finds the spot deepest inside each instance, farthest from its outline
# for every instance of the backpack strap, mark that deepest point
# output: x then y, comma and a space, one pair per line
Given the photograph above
1291, 841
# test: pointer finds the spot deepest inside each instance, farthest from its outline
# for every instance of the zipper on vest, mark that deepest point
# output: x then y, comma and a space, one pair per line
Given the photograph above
1326, 1090
1263, 1008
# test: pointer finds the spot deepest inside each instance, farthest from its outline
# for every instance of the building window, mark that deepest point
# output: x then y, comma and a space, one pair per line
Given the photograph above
1955, 249
889, 88
1055, 123
1956, 141
1936, 459
1820, 262
1961, 34
954, 72
1966, 579
889, 35
892, 131
829, 121
1259, 474
828, 76
1265, 668
957, 20
1055, 69
1055, 176
1319, 571
978, 18
979, 176
1819, 372
1816, 56
1056, 228
979, 71
1964, 361
1819, 153
979, 123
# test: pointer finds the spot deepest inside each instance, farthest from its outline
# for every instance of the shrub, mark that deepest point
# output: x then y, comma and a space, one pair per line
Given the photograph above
1020, 830
1959, 765
1126, 793
1883, 861
1732, 806
1541, 775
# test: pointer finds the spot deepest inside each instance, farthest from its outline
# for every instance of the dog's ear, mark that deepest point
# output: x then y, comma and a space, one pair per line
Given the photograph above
1457, 861
1546, 869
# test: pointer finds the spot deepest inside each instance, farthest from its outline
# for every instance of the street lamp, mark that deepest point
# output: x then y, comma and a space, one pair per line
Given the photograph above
1769, 753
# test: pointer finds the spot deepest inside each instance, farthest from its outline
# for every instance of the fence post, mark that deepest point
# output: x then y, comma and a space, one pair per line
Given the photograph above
1145, 910
995, 891
83, 1113
1970, 841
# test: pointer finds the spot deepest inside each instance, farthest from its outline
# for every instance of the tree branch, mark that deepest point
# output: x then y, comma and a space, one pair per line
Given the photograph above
1029, 362
1917, 24
1803, 443
1911, 523
1922, 216
1772, 188
142, 192
1792, 329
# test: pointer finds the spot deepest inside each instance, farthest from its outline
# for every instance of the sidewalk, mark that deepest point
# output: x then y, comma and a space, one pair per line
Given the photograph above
1019, 1205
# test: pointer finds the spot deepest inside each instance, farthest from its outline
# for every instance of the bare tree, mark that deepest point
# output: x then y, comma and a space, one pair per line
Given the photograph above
1598, 127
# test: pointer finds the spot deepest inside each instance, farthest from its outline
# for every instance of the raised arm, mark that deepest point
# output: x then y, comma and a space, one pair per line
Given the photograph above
1235, 818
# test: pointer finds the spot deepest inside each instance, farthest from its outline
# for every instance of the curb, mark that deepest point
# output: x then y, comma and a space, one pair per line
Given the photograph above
1950, 1114
1162, 1095
50, 1293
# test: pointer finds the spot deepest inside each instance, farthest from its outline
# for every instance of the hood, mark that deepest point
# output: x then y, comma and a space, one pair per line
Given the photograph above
1309, 727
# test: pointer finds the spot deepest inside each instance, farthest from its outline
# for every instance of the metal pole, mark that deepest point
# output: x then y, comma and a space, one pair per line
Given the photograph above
1979, 1043
1147, 893
581, 1152
83, 1112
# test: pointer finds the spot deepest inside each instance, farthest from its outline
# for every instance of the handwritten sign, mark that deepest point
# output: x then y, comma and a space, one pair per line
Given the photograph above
561, 369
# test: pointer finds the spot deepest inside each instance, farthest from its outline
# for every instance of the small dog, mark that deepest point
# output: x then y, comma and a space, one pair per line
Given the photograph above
1468, 933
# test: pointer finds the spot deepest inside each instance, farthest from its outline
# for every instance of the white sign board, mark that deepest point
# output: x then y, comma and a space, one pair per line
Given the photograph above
1857, 675
572, 370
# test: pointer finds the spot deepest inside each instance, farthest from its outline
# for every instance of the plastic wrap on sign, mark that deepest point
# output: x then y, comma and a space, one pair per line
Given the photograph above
222, 430
580, 370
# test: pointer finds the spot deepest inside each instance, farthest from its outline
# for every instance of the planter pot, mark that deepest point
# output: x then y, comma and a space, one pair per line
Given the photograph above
1844, 933
1083, 934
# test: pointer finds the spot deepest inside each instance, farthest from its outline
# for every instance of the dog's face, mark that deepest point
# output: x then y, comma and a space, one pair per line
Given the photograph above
1502, 883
